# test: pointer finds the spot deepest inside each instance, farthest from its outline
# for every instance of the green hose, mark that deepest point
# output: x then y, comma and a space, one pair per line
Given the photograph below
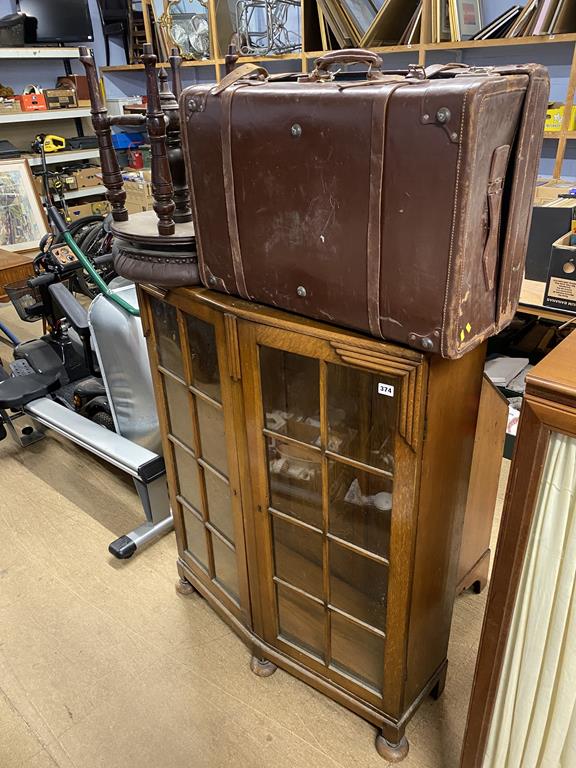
57, 220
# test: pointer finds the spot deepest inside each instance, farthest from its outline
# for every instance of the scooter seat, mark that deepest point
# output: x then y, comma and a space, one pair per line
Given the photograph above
16, 391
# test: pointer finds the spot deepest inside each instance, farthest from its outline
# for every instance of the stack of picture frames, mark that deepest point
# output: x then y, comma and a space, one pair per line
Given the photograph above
374, 23
368, 23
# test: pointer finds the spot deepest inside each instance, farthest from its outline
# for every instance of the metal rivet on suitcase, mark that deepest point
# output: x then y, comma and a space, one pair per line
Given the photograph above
212, 280
443, 115
301, 291
427, 344
296, 130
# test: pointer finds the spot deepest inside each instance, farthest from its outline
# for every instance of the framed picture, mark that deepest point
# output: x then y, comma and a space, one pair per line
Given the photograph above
468, 17
23, 222
443, 30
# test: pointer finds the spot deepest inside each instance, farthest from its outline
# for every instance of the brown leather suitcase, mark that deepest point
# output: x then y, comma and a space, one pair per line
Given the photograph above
397, 204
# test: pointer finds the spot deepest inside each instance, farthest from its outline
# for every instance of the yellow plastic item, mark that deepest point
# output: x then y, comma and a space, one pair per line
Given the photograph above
555, 117
54, 143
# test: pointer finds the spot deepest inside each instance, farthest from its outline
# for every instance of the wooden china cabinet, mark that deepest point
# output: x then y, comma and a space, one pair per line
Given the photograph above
318, 480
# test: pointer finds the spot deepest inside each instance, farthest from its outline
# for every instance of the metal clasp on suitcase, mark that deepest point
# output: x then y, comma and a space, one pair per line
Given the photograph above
442, 119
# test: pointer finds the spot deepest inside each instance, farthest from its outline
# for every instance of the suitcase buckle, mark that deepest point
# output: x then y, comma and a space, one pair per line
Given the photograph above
416, 71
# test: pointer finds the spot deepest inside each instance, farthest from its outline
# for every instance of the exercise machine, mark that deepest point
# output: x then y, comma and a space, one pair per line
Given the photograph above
88, 378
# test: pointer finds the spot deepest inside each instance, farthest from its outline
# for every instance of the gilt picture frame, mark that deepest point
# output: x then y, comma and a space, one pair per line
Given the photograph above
468, 18
23, 221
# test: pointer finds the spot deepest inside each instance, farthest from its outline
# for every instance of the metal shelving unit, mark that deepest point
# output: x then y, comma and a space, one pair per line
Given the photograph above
49, 114
77, 114
74, 194
64, 157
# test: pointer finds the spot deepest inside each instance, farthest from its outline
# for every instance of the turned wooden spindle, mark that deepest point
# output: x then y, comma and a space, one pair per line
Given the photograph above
232, 54
111, 173
162, 189
175, 62
182, 212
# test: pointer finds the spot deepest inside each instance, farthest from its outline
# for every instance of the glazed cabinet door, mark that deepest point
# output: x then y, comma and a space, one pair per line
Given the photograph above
334, 431
190, 362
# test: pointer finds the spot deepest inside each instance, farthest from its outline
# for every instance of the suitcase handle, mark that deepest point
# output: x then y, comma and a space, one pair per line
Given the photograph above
346, 56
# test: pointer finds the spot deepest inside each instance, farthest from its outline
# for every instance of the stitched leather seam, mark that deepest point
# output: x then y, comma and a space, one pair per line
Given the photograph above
454, 217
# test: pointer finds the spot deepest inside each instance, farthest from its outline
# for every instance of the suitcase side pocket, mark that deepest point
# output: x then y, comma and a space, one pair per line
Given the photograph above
494, 210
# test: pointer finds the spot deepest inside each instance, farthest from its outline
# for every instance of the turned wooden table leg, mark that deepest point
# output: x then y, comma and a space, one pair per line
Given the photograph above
262, 667
162, 189
183, 211
111, 173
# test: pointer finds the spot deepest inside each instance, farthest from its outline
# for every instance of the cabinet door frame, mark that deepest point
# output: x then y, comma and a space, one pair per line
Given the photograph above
226, 345
410, 372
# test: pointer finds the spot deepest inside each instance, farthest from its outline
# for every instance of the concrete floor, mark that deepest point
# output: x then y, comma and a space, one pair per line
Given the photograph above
102, 665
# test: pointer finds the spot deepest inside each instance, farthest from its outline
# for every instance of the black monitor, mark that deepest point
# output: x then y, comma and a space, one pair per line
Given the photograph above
60, 21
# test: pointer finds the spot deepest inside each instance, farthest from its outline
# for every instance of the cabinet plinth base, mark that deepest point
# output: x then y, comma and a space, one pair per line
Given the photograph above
438, 689
262, 667
393, 753
183, 587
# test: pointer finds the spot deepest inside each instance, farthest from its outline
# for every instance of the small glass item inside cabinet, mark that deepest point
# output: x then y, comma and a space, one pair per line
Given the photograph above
291, 394
295, 478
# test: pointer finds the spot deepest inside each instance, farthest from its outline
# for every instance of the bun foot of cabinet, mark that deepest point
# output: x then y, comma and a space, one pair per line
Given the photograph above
262, 667
393, 753
183, 587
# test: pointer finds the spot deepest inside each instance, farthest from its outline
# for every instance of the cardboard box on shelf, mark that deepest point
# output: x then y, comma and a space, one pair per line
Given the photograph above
10, 106
138, 190
76, 212
551, 190
561, 284
60, 98
88, 177
69, 183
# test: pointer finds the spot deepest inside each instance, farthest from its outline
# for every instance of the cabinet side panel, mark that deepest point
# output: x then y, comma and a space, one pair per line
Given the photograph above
451, 412
484, 480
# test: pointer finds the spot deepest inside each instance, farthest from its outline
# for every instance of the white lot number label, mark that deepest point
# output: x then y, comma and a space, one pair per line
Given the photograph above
385, 389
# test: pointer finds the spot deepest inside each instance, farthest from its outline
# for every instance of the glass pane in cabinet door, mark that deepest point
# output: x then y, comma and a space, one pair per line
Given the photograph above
167, 337
204, 357
291, 394
358, 585
212, 435
362, 409
295, 480
301, 621
357, 651
360, 507
195, 537
188, 483
179, 413
298, 556
226, 567
219, 503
